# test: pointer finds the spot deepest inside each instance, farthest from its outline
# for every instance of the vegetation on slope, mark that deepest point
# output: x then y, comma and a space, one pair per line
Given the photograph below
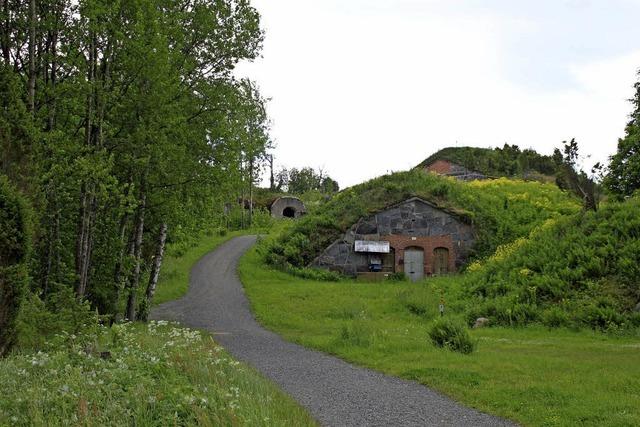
154, 374
581, 269
501, 210
507, 161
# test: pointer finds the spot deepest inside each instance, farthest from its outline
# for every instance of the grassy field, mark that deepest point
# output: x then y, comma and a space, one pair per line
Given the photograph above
535, 376
138, 374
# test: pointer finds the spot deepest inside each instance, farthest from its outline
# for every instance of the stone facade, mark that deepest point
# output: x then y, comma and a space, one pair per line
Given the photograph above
415, 224
288, 207
445, 167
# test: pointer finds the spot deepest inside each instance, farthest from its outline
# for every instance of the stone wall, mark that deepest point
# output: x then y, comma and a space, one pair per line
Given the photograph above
413, 223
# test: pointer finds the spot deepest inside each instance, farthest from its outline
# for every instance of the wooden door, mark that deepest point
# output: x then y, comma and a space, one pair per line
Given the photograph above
414, 263
440, 261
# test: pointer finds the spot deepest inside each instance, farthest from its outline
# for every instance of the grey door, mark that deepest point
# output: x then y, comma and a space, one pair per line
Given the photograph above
414, 263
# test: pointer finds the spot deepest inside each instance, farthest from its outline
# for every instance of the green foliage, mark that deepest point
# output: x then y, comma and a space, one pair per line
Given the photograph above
501, 210
300, 181
135, 121
585, 266
155, 374
507, 161
453, 335
623, 177
41, 321
15, 243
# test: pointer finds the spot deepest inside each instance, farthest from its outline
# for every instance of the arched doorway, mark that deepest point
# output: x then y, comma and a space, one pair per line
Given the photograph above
289, 212
440, 261
414, 263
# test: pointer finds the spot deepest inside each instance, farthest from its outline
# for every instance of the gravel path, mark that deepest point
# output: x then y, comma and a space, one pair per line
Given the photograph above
335, 392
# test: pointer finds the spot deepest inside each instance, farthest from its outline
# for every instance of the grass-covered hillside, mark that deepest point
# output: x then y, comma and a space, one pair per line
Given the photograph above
580, 269
506, 161
501, 211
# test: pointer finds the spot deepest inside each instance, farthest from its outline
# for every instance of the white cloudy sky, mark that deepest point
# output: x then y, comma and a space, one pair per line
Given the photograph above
362, 87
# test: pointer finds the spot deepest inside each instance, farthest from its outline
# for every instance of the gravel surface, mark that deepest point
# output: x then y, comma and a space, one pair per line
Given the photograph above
336, 393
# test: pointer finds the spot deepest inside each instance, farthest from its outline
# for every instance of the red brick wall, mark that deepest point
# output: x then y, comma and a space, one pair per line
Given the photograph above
441, 167
428, 244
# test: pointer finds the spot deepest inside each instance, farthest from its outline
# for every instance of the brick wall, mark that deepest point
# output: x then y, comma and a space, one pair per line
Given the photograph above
441, 167
428, 244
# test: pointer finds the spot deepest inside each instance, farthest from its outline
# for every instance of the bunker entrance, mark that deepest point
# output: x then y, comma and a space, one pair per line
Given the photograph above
289, 212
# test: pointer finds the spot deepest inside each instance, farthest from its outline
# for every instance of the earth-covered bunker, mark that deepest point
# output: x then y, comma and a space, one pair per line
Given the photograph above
288, 207
414, 237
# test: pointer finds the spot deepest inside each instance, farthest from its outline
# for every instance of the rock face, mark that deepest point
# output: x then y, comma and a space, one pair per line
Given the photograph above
441, 239
288, 207
481, 322
637, 308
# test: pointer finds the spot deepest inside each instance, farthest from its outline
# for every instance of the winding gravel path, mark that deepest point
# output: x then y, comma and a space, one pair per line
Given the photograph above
335, 392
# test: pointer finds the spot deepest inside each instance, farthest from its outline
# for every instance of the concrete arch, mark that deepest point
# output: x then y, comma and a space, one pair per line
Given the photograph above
288, 207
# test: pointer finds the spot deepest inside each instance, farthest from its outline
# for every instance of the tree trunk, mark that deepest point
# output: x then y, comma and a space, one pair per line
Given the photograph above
134, 280
6, 31
251, 192
117, 274
31, 96
157, 265
272, 181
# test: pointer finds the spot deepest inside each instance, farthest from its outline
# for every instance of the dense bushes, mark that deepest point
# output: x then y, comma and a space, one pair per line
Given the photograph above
506, 161
581, 269
451, 334
14, 249
501, 211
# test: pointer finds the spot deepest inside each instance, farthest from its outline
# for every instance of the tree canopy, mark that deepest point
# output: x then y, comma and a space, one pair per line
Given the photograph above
123, 123
623, 178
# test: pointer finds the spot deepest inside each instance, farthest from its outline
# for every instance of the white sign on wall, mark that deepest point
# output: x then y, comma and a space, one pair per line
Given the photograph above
369, 246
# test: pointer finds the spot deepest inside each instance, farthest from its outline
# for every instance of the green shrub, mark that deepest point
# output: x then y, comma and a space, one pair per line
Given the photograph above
314, 274
451, 334
397, 277
555, 317
14, 250
40, 321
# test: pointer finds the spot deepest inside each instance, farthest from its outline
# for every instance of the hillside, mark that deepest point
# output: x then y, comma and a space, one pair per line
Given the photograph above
501, 211
581, 269
507, 161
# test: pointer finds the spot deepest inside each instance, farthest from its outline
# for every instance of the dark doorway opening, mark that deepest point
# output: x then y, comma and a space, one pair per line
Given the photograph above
289, 212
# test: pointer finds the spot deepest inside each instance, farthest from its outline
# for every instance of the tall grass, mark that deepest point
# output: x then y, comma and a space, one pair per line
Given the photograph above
135, 374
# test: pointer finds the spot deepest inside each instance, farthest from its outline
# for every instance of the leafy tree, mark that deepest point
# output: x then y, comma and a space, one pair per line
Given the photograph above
299, 181
125, 127
14, 250
623, 176
571, 177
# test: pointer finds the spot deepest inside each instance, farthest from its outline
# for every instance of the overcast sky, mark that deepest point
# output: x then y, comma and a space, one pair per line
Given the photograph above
363, 87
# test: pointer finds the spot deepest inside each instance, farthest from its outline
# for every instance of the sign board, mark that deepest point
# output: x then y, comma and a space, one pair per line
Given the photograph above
370, 246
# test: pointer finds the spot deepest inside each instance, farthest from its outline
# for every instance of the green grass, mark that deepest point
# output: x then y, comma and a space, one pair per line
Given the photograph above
154, 374
533, 375
174, 277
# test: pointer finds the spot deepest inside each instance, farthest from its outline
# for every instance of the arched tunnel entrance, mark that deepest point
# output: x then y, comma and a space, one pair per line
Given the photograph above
287, 207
